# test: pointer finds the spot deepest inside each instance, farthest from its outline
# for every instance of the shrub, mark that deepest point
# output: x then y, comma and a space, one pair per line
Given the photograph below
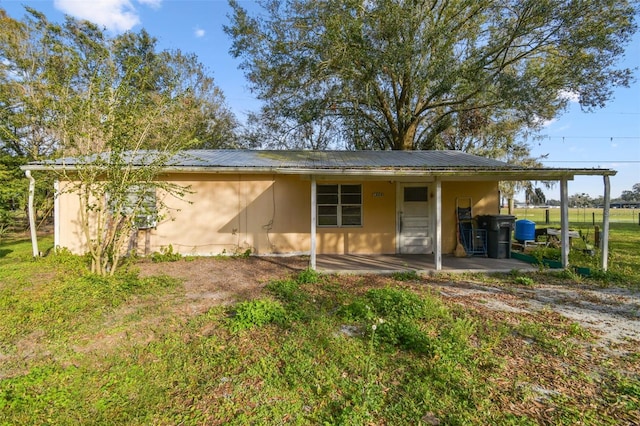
286, 290
393, 303
546, 253
256, 313
166, 255
358, 310
405, 334
308, 276
522, 280
397, 314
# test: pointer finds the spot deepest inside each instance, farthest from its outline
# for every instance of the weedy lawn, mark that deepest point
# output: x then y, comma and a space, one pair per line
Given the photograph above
79, 349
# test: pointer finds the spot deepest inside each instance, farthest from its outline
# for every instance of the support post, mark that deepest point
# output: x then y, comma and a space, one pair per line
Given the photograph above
605, 223
564, 222
32, 218
438, 247
314, 219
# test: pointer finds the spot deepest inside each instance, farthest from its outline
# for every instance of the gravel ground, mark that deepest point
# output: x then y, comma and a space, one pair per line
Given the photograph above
614, 313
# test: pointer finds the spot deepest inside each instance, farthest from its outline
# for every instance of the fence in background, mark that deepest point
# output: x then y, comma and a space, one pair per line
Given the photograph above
592, 216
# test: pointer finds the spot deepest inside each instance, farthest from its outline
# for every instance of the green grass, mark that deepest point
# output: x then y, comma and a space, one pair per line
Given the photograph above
624, 242
577, 215
313, 349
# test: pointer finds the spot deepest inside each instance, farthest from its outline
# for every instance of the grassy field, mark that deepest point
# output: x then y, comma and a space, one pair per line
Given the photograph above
79, 349
585, 216
624, 239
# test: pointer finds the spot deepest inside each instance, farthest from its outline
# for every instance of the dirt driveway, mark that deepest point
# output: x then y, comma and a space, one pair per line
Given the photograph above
613, 313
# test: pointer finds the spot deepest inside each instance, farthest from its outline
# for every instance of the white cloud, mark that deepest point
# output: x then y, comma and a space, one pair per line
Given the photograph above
543, 123
154, 4
115, 15
547, 123
199, 32
569, 95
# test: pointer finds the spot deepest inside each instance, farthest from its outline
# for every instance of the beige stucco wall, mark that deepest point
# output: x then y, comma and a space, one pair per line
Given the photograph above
271, 215
378, 231
235, 213
70, 233
485, 199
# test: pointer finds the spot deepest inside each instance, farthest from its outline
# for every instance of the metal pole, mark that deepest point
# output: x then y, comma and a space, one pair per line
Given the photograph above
605, 223
564, 222
312, 251
438, 248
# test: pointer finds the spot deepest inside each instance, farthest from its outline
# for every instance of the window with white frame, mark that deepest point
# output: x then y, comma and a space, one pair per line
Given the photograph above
139, 202
339, 205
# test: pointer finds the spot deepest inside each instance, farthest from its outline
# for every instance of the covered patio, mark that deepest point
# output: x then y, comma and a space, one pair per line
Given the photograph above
424, 264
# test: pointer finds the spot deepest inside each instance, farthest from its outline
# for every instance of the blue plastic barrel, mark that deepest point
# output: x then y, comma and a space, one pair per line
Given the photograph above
525, 230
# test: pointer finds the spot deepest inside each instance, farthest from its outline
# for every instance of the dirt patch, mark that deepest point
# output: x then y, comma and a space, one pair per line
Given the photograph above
613, 313
212, 282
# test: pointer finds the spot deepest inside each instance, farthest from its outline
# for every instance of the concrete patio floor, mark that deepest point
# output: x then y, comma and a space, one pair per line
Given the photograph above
421, 263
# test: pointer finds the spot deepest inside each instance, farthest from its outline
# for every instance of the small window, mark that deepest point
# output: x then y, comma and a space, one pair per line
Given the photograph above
339, 205
416, 193
147, 215
140, 203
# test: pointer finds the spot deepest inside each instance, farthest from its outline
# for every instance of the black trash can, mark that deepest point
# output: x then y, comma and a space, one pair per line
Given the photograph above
499, 229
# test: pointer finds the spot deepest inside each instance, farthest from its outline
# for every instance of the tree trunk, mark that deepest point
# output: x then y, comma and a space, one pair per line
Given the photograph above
405, 139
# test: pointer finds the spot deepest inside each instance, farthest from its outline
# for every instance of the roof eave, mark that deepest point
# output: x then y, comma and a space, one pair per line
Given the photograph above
476, 172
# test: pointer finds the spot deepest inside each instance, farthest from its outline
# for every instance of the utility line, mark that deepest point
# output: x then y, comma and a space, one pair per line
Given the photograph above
610, 138
594, 162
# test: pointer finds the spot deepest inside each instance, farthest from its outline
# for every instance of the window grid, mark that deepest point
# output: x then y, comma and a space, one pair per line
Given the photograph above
339, 205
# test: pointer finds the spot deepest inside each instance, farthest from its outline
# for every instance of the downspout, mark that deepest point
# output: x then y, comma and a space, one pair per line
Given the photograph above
605, 223
32, 218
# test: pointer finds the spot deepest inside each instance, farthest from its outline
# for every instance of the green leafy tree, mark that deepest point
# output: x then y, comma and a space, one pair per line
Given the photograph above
408, 75
580, 200
270, 129
13, 189
631, 195
118, 109
535, 196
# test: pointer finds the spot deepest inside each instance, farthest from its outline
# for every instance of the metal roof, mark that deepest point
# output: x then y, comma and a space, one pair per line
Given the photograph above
371, 163
333, 159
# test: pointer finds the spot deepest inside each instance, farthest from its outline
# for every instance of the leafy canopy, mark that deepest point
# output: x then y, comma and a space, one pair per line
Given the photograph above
119, 106
430, 74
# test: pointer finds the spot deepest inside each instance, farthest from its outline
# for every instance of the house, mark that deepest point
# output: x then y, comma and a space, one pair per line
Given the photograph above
319, 202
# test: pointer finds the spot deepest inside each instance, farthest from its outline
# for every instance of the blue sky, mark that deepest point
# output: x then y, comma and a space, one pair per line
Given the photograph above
607, 138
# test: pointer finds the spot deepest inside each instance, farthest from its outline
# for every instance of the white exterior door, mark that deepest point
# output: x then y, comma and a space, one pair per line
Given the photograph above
414, 230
